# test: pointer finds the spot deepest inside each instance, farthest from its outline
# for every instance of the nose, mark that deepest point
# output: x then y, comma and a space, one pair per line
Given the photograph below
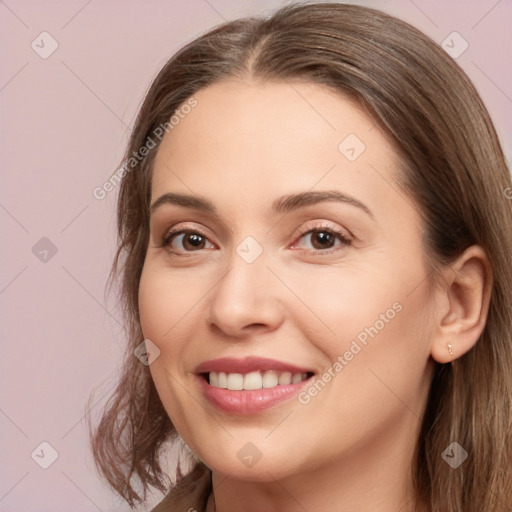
246, 300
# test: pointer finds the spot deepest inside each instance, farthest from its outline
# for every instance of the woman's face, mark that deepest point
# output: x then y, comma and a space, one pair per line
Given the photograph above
296, 272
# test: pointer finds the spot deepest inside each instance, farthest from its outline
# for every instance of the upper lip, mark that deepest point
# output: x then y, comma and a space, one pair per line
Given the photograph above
247, 365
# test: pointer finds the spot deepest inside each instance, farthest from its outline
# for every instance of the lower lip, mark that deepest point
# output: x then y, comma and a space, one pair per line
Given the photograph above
249, 401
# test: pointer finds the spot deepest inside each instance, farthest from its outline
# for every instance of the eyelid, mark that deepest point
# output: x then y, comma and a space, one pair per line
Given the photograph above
185, 226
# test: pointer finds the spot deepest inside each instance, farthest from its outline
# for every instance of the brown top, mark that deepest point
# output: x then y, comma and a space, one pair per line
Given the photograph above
190, 494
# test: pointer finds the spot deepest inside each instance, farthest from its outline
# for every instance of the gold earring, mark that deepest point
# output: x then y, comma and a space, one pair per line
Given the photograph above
450, 349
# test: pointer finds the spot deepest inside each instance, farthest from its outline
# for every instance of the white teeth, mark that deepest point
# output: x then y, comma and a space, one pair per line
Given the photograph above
285, 379
223, 380
296, 377
214, 379
254, 380
235, 381
270, 379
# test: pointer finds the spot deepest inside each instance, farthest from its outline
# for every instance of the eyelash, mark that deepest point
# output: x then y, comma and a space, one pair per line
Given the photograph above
167, 239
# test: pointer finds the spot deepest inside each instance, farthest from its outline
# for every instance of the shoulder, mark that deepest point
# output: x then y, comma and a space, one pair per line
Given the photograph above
190, 493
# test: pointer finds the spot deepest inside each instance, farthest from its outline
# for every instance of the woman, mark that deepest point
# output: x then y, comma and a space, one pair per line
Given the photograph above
314, 248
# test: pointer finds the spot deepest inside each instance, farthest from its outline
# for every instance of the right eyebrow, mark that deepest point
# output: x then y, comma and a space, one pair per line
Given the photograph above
183, 200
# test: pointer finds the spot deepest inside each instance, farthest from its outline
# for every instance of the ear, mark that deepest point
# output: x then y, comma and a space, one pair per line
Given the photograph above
462, 304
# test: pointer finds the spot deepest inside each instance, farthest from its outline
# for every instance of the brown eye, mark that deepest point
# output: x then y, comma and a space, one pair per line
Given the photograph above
187, 241
193, 241
322, 239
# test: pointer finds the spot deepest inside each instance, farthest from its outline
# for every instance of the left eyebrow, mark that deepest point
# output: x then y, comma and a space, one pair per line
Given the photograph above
292, 202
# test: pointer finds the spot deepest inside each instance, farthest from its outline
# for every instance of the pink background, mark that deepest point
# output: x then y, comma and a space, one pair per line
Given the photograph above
66, 119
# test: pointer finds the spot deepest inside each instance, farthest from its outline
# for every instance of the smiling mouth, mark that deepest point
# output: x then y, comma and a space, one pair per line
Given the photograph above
254, 380
250, 385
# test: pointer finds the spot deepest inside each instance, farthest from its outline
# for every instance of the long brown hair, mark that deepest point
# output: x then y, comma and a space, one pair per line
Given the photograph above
454, 168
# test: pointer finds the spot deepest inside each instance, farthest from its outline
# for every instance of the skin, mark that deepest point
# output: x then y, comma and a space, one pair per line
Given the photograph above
245, 145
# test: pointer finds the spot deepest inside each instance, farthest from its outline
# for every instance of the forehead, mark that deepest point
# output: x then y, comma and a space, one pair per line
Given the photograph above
246, 138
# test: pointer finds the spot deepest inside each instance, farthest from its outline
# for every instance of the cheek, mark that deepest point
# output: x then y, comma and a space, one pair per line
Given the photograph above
378, 318
382, 361
343, 303
155, 302
164, 304
166, 313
